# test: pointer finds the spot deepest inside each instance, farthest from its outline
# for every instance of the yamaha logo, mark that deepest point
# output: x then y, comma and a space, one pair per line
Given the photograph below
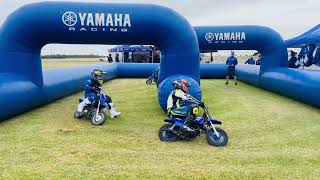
209, 37
96, 22
225, 37
69, 18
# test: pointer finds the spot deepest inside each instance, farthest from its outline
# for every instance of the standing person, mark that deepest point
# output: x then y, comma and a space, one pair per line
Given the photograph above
316, 56
110, 60
258, 61
126, 57
250, 61
292, 63
132, 59
231, 62
117, 58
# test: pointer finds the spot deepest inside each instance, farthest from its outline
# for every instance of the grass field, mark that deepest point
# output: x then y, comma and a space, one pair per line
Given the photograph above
270, 137
69, 62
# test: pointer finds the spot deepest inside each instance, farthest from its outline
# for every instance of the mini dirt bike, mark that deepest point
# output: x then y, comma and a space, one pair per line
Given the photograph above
153, 77
94, 111
173, 130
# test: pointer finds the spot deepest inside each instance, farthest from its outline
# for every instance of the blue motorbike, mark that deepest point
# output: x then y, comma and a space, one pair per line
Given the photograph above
173, 130
153, 77
94, 111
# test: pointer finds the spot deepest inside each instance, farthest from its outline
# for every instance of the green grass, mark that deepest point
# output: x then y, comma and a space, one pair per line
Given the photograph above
69, 62
270, 137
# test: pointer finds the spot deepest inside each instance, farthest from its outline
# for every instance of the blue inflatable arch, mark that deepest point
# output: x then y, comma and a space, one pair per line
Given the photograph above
23, 85
273, 74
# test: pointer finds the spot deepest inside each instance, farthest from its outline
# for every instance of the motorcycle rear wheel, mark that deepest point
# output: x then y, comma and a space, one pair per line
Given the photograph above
100, 119
213, 140
166, 135
77, 115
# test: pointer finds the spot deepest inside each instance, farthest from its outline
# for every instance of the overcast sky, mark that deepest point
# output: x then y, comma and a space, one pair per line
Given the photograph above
289, 17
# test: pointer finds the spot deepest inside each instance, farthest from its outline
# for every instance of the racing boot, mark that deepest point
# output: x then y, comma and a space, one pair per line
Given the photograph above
187, 123
79, 113
112, 111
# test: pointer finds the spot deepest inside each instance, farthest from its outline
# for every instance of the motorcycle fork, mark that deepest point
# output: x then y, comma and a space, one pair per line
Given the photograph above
214, 129
178, 133
98, 108
171, 128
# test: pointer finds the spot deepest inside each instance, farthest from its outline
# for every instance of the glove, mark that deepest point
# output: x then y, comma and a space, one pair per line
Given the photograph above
97, 89
201, 104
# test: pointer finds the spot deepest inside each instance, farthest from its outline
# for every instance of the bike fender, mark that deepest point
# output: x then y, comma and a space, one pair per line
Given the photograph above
178, 122
169, 121
214, 121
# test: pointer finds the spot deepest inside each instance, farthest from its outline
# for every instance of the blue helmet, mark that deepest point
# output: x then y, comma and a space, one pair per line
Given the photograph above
96, 76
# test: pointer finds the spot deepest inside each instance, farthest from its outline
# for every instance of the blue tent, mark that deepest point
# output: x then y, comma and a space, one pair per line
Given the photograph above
310, 37
309, 42
130, 48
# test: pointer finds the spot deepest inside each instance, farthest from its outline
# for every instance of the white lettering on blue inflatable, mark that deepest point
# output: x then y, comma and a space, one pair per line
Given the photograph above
94, 22
223, 37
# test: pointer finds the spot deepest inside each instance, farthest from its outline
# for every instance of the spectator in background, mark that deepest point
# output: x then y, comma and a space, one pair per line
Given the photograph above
132, 59
117, 58
293, 60
316, 56
305, 56
231, 63
110, 60
250, 61
156, 59
258, 55
125, 57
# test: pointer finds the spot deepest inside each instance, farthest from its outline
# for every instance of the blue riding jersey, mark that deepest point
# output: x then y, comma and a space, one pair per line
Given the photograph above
89, 89
232, 61
250, 61
91, 93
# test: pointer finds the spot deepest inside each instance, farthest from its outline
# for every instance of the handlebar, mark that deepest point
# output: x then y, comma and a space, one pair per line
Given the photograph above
200, 103
196, 101
99, 90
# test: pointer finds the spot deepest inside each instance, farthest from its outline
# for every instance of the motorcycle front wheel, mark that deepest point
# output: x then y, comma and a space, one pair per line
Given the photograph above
167, 135
149, 81
99, 119
214, 140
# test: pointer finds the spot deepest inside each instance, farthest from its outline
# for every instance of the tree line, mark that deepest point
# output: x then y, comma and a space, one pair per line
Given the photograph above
63, 56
